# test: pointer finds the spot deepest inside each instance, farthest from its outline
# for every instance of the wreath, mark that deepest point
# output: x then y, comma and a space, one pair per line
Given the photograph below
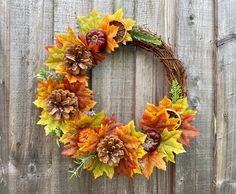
96, 142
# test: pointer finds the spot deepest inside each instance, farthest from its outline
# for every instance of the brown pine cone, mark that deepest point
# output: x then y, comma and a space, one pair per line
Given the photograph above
62, 104
110, 150
78, 59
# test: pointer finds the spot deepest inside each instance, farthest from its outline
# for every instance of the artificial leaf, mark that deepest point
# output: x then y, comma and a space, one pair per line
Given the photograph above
99, 168
68, 39
128, 24
50, 124
141, 136
124, 134
151, 160
110, 31
188, 131
141, 35
169, 144
91, 121
90, 23
156, 118
125, 167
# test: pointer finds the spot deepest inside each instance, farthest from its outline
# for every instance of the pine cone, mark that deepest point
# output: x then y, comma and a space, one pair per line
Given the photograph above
110, 150
78, 59
62, 104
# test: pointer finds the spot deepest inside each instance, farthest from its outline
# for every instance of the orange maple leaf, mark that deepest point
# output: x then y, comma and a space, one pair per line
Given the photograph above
110, 31
188, 131
151, 160
125, 167
84, 94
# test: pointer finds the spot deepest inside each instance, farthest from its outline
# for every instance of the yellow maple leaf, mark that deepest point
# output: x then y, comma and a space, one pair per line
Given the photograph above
69, 39
50, 124
89, 23
128, 23
169, 144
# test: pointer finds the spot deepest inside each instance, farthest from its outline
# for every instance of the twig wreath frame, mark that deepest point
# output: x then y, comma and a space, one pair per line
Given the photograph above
98, 143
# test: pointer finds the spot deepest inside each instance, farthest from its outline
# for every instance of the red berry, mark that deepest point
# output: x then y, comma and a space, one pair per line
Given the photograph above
97, 37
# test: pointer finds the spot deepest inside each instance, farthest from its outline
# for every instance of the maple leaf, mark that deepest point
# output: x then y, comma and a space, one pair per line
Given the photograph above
132, 141
151, 160
55, 58
126, 167
170, 145
91, 121
110, 32
50, 124
157, 119
89, 23
128, 23
68, 39
188, 131
98, 168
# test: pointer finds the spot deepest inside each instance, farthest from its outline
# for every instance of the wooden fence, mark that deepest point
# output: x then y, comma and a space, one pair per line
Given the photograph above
203, 34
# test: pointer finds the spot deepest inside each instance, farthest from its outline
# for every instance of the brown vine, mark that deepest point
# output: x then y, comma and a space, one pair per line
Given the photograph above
173, 66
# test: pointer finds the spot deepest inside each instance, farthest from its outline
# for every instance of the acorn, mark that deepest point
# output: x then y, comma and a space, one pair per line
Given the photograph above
152, 141
97, 37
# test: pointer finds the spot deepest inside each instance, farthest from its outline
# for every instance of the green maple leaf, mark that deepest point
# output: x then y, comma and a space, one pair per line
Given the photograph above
98, 168
169, 144
51, 125
91, 121
89, 23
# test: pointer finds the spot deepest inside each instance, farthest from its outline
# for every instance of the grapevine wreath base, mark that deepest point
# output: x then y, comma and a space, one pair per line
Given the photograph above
96, 142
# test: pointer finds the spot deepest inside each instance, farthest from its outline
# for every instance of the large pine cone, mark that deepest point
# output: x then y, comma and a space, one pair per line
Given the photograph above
110, 150
78, 59
62, 104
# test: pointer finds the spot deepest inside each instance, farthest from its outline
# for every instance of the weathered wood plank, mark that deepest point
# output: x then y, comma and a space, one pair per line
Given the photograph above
4, 94
226, 97
151, 82
29, 154
194, 45
112, 83
65, 14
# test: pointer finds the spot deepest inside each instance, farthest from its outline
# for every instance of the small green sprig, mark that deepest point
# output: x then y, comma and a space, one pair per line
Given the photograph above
44, 74
175, 91
80, 161
58, 134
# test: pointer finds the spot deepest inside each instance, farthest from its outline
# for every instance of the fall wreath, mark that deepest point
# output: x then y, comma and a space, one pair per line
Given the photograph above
96, 142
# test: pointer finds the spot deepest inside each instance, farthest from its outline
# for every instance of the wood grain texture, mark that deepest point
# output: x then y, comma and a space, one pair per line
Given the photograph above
4, 94
29, 164
203, 34
195, 47
226, 97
